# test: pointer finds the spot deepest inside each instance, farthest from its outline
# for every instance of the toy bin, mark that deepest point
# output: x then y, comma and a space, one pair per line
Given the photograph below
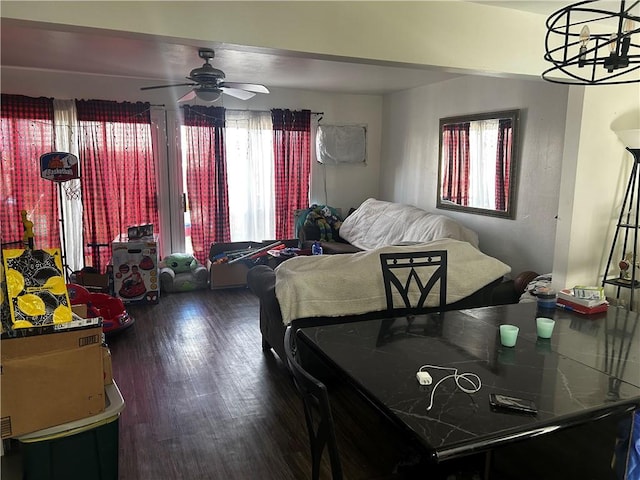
79, 450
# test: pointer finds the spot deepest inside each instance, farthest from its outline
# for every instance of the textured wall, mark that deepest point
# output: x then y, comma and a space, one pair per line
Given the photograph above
410, 159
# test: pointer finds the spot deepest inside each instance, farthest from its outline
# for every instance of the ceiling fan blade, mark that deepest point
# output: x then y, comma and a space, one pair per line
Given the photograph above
241, 94
250, 87
190, 95
167, 86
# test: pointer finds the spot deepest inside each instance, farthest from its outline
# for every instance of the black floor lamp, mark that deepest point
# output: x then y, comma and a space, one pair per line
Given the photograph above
628, 226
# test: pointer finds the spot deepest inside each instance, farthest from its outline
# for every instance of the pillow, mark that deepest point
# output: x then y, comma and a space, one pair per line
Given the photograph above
378, 224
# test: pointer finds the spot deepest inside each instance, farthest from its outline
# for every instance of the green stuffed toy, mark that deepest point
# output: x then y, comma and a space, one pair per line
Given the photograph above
181, 272
180, 262
325, 218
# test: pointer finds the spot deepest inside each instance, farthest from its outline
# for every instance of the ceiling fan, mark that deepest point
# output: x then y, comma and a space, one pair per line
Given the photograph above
208, 83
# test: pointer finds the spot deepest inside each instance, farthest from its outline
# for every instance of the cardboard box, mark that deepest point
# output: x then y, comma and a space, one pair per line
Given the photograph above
80, 450
225, 275
136, 232
230, 275
76, 323
135, 270
80, 309
95, 282
50, 379
107, 367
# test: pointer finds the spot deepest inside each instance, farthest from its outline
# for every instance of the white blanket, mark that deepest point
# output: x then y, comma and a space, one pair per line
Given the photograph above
351, 284
376, 224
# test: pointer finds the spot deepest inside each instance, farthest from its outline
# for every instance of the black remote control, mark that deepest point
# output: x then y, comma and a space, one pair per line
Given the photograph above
504, 402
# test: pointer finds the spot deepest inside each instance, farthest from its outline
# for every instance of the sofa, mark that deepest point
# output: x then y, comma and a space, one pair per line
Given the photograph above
337, 288
261, 280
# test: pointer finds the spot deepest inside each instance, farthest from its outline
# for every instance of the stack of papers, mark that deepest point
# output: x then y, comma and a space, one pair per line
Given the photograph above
567, 300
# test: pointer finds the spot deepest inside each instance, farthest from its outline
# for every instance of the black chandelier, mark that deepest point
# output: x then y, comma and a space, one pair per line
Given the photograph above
590, 45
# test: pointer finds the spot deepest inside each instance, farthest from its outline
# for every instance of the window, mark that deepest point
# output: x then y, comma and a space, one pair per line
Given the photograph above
243, 175
243, 153
118, 172
249, 145
117, 168
483, 145
26, 132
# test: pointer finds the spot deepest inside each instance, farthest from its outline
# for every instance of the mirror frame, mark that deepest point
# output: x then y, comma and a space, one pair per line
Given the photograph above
510, 212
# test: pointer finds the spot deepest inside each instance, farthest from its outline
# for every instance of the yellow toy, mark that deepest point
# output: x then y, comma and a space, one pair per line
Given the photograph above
27, 225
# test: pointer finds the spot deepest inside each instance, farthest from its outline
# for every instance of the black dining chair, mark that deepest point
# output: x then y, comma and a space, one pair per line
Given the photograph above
317, 413
319, 420
424, 269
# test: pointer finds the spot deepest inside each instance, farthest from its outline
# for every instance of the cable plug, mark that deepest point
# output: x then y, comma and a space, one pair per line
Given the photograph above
424, 378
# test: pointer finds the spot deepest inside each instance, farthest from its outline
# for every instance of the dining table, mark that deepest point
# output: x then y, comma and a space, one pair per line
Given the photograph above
587, 371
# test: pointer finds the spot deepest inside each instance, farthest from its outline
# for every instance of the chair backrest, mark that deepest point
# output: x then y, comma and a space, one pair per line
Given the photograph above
317, 412
424, 269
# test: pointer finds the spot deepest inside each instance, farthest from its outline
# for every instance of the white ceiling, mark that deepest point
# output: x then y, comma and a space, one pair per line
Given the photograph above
158, 61
152, 61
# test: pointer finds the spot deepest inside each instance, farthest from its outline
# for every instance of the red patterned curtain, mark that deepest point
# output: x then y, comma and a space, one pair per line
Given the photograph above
455, 149
292, 158
206, 177
503, 163
118, 171
26, 132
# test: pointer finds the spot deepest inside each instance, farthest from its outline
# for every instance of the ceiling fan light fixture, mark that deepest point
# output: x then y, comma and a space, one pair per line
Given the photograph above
208, 94
585, 34
596, 35
208, 83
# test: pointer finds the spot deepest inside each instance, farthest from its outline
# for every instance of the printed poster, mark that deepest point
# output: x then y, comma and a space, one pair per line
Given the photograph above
36, 289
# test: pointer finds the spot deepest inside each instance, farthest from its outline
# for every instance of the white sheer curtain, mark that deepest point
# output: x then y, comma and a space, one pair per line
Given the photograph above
249, 149
483, 144
65, 124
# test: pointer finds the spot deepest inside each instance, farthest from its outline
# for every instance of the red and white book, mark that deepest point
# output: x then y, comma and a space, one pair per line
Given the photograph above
567, 295
576, 307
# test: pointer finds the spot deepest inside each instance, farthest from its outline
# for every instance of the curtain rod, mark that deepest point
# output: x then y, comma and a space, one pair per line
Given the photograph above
238, 109
249, 110
263, 111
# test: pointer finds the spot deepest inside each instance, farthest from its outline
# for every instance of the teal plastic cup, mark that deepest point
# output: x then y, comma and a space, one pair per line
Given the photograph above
545, 327
508, 335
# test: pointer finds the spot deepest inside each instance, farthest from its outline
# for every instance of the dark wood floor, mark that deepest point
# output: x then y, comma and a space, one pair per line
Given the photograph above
204, 402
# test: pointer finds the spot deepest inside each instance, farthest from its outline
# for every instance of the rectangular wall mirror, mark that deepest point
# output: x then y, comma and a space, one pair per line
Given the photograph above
478, 163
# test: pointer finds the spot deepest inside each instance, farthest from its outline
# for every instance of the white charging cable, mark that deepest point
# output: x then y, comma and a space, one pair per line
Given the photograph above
470, 378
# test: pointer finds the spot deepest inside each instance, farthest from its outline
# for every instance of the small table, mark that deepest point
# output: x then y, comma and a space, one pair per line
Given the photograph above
573, 378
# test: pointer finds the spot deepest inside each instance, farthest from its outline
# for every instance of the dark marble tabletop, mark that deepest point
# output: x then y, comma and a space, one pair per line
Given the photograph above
589, 369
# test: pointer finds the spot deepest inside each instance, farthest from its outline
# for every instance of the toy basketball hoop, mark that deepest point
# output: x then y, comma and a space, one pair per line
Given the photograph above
60, 167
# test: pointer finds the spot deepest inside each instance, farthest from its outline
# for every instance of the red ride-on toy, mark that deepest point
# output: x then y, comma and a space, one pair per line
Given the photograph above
114, 316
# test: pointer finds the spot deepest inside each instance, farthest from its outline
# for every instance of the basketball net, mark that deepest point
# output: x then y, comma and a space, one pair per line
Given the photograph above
72, 189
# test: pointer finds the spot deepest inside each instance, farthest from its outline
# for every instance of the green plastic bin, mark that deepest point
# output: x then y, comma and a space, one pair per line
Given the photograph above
86, 448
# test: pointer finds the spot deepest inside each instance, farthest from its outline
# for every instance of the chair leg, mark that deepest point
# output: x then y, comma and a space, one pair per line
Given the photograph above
315, 464
316, 446
487, 464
